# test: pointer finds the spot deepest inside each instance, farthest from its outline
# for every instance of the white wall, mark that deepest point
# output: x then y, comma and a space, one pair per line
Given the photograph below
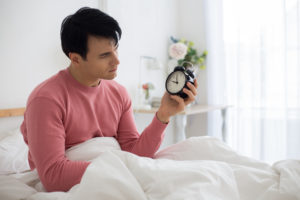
30, 45
30, 48
147, 27
191, 27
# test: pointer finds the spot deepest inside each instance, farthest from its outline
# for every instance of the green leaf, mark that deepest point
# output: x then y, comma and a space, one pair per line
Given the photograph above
182, 40
201, 60
202, 66
190, 44
180, 62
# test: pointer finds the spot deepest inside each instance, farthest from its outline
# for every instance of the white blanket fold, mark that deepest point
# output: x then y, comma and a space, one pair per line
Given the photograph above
197, 168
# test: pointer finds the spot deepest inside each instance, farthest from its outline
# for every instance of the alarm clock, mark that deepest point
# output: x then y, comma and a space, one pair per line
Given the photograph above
178, 79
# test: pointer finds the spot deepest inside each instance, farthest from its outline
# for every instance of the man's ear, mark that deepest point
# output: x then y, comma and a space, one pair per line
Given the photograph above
75, 58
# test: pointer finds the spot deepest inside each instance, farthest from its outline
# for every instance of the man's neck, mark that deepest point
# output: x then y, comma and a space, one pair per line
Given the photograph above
82, 78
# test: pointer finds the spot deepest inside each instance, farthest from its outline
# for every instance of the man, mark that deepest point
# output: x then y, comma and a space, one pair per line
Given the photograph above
82, 102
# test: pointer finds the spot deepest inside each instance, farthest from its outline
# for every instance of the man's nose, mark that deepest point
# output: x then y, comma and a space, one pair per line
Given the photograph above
115, 60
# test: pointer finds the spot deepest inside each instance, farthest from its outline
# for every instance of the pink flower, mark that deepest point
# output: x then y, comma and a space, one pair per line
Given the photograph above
145, 86
178, 50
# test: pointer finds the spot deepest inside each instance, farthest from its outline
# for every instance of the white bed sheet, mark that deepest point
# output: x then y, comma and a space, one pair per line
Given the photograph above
13, 153
198, 168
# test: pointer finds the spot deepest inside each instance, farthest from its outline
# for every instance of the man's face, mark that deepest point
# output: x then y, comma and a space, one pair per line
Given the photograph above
101, 59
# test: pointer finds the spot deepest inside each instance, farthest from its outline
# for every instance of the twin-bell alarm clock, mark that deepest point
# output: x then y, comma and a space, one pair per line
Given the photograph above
177, 80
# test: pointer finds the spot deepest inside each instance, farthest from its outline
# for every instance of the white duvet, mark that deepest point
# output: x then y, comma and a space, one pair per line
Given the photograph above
198, 168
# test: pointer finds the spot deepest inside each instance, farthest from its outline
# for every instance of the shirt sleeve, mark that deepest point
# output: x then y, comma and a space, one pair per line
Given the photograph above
130, 140
46, 142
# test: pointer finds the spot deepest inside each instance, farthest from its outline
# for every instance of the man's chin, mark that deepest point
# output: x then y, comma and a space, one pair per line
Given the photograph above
111, 77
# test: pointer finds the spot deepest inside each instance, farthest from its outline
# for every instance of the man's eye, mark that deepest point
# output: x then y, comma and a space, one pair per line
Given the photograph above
104, 55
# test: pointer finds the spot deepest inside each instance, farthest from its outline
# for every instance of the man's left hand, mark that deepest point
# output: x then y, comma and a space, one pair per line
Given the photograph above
173, 104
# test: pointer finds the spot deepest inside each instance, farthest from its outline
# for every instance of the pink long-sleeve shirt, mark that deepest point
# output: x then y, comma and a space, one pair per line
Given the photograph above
61, 113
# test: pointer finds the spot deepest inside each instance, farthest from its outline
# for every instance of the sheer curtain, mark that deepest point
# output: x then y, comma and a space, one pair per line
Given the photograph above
259, 46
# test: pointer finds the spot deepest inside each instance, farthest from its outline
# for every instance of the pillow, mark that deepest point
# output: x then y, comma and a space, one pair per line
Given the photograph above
13, 153
4, 134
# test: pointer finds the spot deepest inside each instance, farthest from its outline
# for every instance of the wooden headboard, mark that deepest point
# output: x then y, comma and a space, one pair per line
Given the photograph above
12, 112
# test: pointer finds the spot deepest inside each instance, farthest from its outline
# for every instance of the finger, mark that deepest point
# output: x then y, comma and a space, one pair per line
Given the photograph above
192, 88
166, 94
196, 83
191, 96
178, 99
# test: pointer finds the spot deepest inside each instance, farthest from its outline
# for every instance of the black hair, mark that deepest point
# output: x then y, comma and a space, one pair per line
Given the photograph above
76, 28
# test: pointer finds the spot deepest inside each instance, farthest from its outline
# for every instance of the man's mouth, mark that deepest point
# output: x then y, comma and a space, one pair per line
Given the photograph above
114, 69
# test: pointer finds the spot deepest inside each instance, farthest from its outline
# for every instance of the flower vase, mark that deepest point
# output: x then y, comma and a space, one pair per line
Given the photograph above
147, 98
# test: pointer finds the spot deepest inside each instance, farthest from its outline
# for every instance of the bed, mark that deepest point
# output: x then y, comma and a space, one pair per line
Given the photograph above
197, 168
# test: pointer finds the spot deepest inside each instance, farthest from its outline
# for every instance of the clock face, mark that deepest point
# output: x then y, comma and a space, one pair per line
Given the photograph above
176, 81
